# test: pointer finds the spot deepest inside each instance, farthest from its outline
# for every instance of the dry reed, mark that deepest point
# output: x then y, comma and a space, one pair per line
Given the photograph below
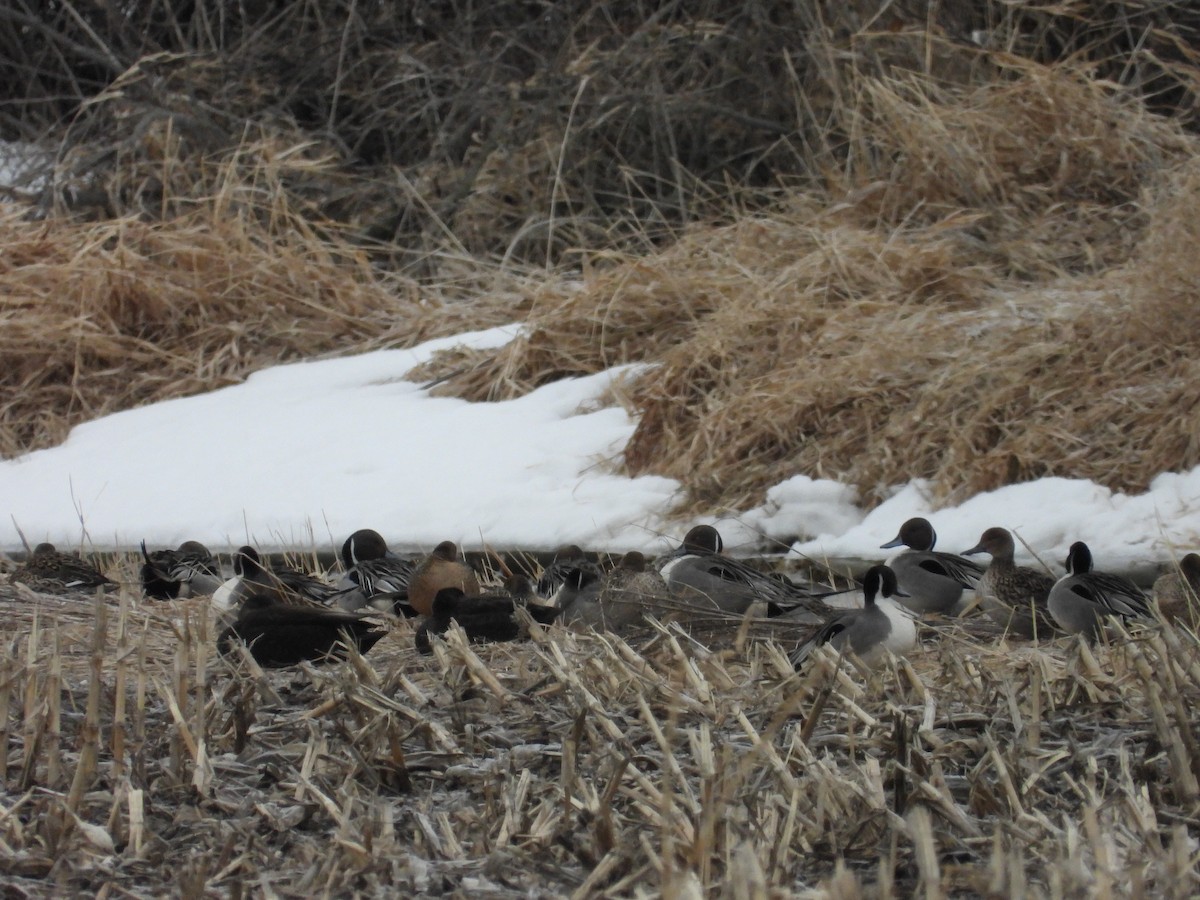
588, 765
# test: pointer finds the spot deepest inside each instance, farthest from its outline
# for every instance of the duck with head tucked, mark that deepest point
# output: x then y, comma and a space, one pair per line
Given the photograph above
187, 571
279, 635
374, 575
1177, 591
52, 572
623, 598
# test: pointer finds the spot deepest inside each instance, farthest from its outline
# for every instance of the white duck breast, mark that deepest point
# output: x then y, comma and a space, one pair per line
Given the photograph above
1082, 600
879, 628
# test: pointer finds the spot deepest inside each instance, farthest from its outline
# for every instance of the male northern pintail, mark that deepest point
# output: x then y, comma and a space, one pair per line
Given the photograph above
882, 626
374, 575
934, 581
443, 568
569, 570
52, 572
287, 587
699, 573
280, 635
187, 571
1013, 596
625, 596
1176, 591
488, 617
1083, 599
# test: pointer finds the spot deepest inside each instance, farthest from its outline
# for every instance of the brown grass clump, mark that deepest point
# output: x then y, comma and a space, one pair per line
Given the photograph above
964, 313
100, 317
587, 765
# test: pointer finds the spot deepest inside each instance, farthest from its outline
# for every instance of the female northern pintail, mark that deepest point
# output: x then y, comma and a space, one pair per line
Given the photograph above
374, 575
1082, 599
280, 635
187, 571
488, 617
52, 572
882, 626
934, 581
699, 572
1013, 596
1176, 592
626, 595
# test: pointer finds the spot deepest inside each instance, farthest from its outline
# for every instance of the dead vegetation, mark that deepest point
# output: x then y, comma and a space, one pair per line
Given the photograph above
895, 240
135, 759
996, 289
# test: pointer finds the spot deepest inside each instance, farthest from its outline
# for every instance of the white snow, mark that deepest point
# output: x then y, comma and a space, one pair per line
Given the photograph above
299, 456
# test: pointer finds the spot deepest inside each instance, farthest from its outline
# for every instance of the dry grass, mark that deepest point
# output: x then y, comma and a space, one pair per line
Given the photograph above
997, 288
136, 760
99, 317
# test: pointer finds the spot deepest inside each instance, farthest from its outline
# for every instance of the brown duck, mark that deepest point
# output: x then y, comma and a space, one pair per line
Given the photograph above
443, 568
1013, 596
1176, 591
49, 571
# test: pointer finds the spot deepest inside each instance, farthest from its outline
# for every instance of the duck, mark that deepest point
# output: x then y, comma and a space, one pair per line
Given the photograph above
52, 572
882, 626
934, 581
374, 575
580, 586
698, 572
1176, 591
622, 598
187, 571
443, 568
1083, 599
569, 565
252, 578
280, 635
484, 618
1013, 596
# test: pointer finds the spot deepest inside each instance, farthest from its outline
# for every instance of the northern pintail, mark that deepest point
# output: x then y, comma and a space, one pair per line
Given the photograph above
1177, 591
279, 635
882, 626
699, 573
374, 575
1013, 596
487, 617
934, 581
187, 571
52, 572
626, 595
285, 587
569, 566
1082, 600
443, 568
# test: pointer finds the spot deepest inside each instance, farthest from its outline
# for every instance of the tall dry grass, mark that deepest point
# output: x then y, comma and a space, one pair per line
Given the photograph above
134, 758
995, 287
